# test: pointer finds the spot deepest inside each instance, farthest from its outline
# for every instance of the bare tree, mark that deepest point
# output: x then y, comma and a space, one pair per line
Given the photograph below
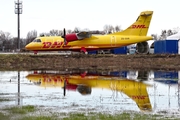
22, 43
15, 43
44, 34
163, 35
60, 33
86, 29
175, 30
53, 32
169, 32
5, 36
117, 28
5, 40
69, 31
31, 35
109, 29
77, 29
106, 29
155, 36
166, 33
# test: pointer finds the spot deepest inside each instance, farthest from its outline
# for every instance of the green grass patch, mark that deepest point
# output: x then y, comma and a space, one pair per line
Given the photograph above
4, 117
122, 116
4, 99
38, 118
21, 109
20, 113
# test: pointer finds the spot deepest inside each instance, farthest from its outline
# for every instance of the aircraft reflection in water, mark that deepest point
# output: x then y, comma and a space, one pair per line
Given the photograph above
83, 83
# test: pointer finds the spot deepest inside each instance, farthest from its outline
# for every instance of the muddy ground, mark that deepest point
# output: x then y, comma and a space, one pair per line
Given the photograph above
109, 61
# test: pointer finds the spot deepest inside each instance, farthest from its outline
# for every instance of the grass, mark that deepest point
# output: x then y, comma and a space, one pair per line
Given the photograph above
4, 99
4, 117
28, 61
22, 113
122, 116
38, 118
21, 110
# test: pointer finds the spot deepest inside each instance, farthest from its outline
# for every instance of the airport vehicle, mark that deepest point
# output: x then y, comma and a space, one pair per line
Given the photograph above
85, 82
85, 41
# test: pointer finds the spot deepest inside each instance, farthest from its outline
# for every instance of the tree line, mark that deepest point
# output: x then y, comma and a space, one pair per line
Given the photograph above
8, 43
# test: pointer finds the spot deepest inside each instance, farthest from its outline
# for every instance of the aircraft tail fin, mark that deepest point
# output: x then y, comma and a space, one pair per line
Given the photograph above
140, 27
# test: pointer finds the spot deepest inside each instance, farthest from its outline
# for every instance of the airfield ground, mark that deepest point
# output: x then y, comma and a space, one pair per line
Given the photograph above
108, 61
102, 62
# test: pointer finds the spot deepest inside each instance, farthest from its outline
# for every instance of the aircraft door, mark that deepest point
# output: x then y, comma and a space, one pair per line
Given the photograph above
113, 40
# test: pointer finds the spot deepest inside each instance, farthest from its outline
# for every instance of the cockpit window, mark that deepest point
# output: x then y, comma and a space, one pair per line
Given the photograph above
37, 40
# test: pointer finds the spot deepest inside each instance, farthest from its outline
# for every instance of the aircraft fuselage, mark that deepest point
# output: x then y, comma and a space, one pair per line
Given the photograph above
93, 43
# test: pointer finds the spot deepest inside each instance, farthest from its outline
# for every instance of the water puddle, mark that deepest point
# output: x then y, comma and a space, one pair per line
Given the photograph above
104, 91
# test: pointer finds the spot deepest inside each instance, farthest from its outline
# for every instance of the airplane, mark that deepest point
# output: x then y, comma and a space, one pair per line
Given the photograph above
83, 83
85, 41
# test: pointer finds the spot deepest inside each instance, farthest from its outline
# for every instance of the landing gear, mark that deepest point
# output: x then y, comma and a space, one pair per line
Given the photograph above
35, 52
83, 50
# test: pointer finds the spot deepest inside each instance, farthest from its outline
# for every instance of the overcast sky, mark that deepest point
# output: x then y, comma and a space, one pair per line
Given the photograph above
44, 15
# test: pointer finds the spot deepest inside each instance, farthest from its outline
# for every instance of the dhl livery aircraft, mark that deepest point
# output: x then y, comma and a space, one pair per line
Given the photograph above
83, 83
85, 41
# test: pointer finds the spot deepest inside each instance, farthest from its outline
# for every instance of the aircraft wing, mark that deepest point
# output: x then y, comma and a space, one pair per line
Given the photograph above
84, 34
88, 34
78, 36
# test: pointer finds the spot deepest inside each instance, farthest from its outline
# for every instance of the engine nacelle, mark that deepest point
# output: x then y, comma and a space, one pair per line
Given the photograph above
145, 47
142, 48
71, 37
77, 36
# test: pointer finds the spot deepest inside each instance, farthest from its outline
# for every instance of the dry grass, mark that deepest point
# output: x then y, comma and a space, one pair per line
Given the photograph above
29, 62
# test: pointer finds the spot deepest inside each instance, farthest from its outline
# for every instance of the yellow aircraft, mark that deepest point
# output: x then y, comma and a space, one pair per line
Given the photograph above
83, 83
85, 41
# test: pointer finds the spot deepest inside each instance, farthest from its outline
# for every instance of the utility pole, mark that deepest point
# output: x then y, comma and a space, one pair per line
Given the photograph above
18, 11
19, 93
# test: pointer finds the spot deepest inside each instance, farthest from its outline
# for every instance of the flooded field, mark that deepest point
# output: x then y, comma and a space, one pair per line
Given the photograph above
155, 92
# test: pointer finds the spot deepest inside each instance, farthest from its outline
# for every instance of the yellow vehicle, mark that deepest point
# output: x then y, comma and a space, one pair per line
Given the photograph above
85, 41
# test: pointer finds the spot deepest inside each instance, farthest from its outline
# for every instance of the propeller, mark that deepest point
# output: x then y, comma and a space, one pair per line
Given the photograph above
64, 36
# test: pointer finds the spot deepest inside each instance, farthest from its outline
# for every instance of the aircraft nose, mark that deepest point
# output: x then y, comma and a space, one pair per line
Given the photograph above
28, 46
28, 77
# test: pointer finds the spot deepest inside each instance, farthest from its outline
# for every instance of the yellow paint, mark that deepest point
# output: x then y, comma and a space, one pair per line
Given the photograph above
137, 32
